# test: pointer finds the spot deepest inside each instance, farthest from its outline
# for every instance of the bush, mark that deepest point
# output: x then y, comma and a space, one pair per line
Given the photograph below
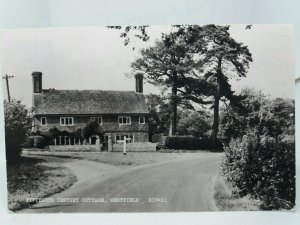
17, 125
39, 142
190, 143
264, 167
260, 150
29, 142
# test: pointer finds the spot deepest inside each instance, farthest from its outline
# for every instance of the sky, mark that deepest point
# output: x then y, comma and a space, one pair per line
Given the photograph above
96, 58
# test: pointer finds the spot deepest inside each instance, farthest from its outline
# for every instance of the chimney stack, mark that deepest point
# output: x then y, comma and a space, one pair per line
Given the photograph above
37, 82
139, 83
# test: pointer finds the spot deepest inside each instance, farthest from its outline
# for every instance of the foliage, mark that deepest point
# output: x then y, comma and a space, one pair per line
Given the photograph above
260, 149
17, 125
194, 123
39, 142
223, 59
139, 32
159, 114
28, 143
91, 128
190, 122
190, 143
195, 63
166, 64
53, 133
36, 141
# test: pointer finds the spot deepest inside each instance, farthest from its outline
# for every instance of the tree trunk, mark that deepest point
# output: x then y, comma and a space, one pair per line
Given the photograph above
174, 107
215, 126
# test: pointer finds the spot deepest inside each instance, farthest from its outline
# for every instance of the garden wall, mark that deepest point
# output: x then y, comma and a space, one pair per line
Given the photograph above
74, 148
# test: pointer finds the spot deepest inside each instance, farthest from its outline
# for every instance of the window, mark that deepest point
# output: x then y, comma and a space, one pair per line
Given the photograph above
142, 120
124, 120
43, 121
97, 119
66, 121
121, 138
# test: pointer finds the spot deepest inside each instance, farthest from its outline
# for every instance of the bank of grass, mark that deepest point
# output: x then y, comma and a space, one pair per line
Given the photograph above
227, 201
33, 178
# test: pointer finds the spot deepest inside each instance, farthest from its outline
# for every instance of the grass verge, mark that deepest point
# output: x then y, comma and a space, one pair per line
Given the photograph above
129, 160
226, 201
33, 178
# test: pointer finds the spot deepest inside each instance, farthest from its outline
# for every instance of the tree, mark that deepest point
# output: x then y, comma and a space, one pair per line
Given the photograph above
167, 64
17, 125
196, 62
224, 58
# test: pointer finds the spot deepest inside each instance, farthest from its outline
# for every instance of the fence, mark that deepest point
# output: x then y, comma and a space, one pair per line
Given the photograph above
135, 147
67, 140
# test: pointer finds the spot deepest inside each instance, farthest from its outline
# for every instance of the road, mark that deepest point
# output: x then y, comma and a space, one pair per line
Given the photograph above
182, 185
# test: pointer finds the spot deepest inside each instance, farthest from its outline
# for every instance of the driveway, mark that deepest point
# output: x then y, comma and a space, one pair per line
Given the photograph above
180, 185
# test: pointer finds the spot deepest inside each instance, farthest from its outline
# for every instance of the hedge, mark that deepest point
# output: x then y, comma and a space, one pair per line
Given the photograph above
190, 143
35, 142
263, 166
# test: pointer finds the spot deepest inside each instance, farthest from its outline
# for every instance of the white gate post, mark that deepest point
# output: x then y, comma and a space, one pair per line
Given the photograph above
124, 144
124, 147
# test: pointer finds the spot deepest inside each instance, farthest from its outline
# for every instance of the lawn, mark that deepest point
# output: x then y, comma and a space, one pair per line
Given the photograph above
34, 178
128, 160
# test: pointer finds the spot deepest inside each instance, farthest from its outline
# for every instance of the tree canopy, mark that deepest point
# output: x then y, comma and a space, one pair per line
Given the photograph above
167, 63
195, 63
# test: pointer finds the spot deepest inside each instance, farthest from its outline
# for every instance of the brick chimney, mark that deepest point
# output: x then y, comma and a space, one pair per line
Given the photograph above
139, 83
37, 82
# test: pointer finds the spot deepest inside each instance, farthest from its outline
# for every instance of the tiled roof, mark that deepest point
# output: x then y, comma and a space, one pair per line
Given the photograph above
88, 102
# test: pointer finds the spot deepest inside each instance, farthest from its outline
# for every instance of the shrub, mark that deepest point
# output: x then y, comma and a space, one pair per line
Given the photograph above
260, 150
91, 128
264, 167
17, 124
190, 143
29, 142
39, 142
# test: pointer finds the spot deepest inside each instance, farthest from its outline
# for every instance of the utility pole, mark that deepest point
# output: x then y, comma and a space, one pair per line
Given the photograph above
6, 77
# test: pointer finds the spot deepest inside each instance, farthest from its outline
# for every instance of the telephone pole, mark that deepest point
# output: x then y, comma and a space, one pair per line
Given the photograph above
6, 77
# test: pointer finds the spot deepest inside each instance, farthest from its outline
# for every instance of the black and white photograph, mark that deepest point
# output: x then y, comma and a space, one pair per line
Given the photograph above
152, 118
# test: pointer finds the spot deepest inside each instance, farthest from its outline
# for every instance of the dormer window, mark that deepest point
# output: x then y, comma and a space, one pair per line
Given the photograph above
66, 121
142, 120
97, 119
124, 120
43, 121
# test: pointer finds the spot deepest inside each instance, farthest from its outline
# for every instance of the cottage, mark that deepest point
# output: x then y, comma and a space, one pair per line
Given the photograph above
119, 113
